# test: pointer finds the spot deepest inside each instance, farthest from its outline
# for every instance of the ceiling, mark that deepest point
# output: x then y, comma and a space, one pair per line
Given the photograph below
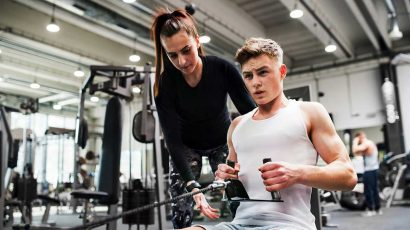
106, 32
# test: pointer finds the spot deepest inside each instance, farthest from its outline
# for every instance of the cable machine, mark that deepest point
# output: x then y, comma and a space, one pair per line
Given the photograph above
145, 127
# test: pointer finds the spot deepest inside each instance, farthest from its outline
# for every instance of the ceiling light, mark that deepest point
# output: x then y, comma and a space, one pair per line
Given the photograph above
136, 89
34, 85
79, 72
134, 58
0, 51
1, 79
296, 12
330, 48
395, 33
94, 99
52, 26
204, 39
129, 1
57, 107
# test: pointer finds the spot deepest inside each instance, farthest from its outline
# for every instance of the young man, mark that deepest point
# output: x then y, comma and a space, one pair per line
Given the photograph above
368, 149
293, 134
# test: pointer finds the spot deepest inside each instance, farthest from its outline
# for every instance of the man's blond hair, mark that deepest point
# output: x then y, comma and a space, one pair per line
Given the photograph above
255, 47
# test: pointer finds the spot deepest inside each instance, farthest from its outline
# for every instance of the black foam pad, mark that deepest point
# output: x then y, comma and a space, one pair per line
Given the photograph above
82, 133
111, 152
138, 132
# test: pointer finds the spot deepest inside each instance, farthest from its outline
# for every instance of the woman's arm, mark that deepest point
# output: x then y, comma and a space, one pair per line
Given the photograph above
168, 117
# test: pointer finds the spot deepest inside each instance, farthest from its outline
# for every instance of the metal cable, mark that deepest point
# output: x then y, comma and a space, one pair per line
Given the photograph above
211, 187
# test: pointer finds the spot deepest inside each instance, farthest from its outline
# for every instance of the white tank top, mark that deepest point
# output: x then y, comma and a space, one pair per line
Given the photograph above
282, 137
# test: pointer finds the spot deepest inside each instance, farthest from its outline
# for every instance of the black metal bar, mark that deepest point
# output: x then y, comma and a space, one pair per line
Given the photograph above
145, 207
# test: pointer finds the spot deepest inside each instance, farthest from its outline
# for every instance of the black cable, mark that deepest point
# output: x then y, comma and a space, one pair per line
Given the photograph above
145, 207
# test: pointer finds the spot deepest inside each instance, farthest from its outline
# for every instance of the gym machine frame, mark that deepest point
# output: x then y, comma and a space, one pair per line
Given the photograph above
119, 84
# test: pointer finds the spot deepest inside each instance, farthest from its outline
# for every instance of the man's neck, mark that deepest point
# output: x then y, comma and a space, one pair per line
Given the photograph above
268, 110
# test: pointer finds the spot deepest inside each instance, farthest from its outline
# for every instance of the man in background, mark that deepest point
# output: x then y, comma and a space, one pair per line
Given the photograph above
368, 149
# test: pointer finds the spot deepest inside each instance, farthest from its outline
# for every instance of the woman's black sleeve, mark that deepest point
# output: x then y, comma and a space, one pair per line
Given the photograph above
237, 90
168, 117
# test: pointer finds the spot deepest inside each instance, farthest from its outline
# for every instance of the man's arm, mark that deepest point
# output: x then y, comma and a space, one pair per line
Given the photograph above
338, 174
224, 171
359, 148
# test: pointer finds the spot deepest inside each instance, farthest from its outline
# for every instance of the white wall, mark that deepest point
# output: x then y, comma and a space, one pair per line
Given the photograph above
354, 98
403, 84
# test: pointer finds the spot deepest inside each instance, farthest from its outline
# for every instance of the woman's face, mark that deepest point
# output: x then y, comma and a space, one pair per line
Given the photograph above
182, 51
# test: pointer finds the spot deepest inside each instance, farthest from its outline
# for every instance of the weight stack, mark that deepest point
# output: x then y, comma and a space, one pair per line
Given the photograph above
132, 199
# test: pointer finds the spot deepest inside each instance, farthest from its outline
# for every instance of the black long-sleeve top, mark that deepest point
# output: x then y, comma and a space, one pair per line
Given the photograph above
197, 117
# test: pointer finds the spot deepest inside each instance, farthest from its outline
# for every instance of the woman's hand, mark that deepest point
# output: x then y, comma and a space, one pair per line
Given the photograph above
203, 205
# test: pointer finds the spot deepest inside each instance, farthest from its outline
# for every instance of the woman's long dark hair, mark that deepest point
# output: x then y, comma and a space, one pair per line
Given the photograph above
167, 24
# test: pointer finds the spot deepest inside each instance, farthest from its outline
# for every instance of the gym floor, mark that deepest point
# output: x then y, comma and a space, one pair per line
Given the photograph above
397, 217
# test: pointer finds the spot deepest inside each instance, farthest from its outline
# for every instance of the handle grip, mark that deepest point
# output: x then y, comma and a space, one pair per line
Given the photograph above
230, 163
275, 194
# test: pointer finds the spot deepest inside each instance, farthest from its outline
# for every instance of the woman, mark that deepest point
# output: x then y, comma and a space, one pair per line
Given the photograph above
191, 92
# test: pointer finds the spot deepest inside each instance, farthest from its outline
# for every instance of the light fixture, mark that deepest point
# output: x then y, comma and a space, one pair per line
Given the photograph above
0, 51
1, 79
79, 72
57, 107
35, 85
129, 1
296, 12
204, 39
94, 99
52, 26
136, 89
134, 58
395, 33
330, 48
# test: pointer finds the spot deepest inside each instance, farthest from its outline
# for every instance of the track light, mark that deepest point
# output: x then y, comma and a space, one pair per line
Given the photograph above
296, 12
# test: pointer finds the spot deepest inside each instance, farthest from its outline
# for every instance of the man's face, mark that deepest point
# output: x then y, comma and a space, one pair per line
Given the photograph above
264, 78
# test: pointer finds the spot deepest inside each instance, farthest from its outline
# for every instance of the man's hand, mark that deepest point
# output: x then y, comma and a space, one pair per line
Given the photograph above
279, 175
226, 172
203, 205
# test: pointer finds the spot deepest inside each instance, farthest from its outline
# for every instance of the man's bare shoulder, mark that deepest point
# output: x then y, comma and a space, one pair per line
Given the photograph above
312, 107
236, 121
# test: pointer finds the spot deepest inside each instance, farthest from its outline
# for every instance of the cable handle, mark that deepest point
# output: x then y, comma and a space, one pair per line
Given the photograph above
266, 160
230, 163
275, 194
